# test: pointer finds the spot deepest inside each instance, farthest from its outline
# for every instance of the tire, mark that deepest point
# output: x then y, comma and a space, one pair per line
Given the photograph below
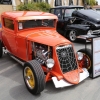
72, 35
86, 62
34, 77
1, 49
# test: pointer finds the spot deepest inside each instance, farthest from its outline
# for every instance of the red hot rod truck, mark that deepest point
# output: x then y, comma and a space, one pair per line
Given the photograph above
31, 38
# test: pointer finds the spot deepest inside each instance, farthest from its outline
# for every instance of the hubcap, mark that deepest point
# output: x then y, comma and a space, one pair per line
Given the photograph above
72, 35
29, 77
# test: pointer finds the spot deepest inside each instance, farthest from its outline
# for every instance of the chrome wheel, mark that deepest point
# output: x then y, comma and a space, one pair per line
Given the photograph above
72, 35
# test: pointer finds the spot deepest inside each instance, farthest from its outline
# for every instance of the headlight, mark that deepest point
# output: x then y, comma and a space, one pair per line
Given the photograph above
50, 63
89, 32
80, 55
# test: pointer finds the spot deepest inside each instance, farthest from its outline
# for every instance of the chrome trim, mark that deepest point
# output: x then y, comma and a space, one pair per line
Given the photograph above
96, 31
65, 46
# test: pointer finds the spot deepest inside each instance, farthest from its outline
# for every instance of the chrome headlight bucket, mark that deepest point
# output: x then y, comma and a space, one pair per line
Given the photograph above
90, 32
80, 55
50, 63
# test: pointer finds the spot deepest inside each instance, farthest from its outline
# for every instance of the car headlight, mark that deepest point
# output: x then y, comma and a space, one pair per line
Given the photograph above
80, 55
50, 63
89, 32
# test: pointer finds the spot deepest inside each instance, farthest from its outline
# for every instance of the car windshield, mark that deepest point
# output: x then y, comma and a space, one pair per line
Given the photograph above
24, 24
68, 12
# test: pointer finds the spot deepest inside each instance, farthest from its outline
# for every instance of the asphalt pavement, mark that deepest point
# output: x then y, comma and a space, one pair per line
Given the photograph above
12, 85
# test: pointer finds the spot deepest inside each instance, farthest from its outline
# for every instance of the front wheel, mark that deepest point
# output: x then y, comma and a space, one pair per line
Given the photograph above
34, 77
86, 61
72, 36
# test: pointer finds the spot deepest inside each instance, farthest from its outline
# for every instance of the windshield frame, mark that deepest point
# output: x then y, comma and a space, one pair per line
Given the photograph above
44, 24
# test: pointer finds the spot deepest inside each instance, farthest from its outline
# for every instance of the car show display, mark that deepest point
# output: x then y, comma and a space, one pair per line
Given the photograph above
31, 39
96, 57
94, 54
75, 20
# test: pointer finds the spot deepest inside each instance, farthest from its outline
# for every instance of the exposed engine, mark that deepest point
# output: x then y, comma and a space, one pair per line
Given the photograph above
41, 52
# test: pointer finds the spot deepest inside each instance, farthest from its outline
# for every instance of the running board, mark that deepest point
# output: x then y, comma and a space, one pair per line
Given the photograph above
18, 60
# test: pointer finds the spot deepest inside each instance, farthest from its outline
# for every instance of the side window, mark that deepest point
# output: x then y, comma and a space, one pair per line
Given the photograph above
6, 2
8, 23
58, 13
68, 12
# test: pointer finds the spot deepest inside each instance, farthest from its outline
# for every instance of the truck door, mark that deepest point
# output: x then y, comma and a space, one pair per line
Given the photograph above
9, 35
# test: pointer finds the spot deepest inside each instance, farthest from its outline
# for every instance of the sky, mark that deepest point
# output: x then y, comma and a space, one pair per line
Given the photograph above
98, 2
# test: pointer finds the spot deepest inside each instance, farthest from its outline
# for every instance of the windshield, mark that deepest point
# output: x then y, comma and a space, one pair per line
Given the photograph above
24, 24
68, 12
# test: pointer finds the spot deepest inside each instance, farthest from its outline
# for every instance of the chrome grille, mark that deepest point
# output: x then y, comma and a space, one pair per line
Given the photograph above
66, 58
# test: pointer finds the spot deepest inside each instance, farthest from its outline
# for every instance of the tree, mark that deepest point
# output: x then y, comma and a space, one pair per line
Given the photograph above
89, 2
96, 2
34, 6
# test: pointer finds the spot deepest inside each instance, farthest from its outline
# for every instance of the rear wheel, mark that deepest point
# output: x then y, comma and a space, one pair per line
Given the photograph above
86, 62
1, 49
34, 77
72, 35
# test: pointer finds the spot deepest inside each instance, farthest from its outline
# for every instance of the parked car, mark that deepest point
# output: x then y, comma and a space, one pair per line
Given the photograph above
74, 21
98, 10
31, 38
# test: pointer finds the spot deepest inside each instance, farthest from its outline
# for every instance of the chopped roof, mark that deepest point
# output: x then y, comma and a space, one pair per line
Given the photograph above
24, 14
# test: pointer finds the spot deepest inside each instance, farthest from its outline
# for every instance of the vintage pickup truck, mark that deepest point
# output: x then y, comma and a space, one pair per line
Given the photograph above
31, 38
74, 21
